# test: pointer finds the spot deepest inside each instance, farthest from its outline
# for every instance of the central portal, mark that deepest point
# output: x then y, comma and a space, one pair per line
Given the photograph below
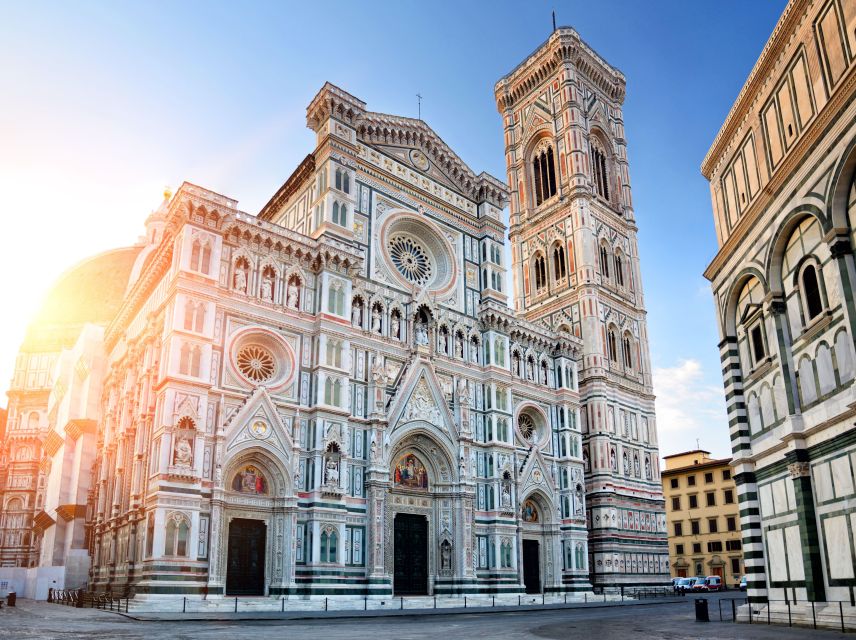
245, 570
410, 555
531, 566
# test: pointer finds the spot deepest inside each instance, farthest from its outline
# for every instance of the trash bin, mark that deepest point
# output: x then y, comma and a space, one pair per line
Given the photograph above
10, 599
701, 614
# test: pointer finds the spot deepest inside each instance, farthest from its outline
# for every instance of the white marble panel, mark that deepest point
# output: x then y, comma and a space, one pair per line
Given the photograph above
780, 495
766, 493
842, 477
793, 547
837, 540
822, 482
776, 550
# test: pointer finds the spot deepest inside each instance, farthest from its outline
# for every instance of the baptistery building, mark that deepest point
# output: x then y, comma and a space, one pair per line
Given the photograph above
343, 394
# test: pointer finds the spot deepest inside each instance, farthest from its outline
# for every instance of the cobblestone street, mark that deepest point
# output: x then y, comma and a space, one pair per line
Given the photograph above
668, 621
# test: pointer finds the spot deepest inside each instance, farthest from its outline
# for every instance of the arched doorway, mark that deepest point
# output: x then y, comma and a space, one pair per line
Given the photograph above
421, 528
531, 516
253, 517
538, 536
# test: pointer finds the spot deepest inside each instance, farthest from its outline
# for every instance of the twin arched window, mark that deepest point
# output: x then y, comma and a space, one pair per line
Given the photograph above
194, 316
560, 265
340, 214
177, 533
336, 298
604, 260
540, 273
599, 172
628, 354
612, 345
329, 541
333, 392
544, 174
343, 181
190, 360
200, 255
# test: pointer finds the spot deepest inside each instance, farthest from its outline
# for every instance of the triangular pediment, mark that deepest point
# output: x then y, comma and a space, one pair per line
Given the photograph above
535, 473
421, 399
258, 423
413, 143
428, 168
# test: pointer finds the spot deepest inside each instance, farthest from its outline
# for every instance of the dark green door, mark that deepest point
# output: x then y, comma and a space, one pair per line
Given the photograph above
245, 573
531, 566
410, 554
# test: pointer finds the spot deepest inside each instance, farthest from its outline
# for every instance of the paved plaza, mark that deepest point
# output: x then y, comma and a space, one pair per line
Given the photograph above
667, 621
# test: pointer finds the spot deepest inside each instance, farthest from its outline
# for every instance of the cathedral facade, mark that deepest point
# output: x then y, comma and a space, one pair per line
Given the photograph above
335, 397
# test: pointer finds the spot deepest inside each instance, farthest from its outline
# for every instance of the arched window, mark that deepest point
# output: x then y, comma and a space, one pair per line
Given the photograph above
177, 533
336, 298
599, 171
626, 346
329, 541
612, 346
335, 213
199, 318
195, 361
334, 353
544, 174
560, 270
540, 273
810, 290
499, 351
343, 216
200, 255
184, 359
339, 179
346, 182
328, 391
619, 269
604, 260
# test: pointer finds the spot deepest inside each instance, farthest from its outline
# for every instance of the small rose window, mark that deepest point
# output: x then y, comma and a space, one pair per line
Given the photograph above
256, 363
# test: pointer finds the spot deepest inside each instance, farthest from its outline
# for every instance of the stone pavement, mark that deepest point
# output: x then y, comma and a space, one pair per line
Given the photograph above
661, 621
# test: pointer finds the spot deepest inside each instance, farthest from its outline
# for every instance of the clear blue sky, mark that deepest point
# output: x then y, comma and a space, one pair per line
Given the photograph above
102, 104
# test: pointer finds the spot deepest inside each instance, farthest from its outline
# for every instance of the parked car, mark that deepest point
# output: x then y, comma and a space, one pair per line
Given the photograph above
683, 585
713, 583
743, 583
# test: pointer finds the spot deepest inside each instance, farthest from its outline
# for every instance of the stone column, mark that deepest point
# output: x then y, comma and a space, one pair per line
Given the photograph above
800, 472
750, 526
375, 558
216, 580
842, 252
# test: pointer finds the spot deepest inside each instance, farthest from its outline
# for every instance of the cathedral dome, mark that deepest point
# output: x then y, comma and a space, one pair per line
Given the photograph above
89, 292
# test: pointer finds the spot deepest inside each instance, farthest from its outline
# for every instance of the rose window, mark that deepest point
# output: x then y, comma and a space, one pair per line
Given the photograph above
526, 426
256, 363
411, 259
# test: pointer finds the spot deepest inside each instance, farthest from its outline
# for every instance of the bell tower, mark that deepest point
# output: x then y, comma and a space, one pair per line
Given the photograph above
575, 268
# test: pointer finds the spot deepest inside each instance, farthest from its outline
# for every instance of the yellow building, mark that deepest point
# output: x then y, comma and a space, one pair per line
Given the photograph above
702, 516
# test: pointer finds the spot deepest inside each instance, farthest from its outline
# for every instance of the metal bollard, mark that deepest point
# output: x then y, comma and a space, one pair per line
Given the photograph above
325, 603
402, 603
282, 608
841, 613
733, 611
813, 615
465, 602
789, 614
435, 601
236, 604
184, 605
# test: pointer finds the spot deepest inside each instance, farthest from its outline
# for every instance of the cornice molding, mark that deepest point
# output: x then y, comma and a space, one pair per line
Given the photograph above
792, 13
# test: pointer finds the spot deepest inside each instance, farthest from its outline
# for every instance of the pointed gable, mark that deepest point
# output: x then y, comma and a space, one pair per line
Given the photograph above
258, 423
421, 399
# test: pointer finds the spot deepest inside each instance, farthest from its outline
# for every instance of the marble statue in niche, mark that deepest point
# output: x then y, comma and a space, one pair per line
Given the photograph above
183, 454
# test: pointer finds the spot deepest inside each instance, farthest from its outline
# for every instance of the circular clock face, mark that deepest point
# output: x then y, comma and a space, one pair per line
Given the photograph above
419, 160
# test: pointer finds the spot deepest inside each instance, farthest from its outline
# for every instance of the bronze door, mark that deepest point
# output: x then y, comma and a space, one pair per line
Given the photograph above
410, 555
531, 566
245, 572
